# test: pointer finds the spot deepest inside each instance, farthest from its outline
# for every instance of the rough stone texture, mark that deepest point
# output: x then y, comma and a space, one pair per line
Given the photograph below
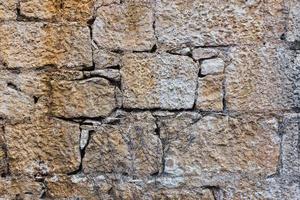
87, 98
43, 147
210, 93
28, 45
130, 146
217, 144
65, 10
23, 96
290, 145
20, 188
263, 78
8, 9
149, 99
158, 81
217, 23
125, 27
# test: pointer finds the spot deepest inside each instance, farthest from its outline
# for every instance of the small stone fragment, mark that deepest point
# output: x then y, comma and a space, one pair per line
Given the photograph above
158, 81
111, 74
129, 147
105, 59
43, 147
204, 53
93, 97
127, 26
210, 93
3, 154
212, 66
36, 44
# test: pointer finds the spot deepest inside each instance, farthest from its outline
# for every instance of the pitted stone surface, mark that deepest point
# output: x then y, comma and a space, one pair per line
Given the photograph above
129, 146
125, 27
86, 98
33, 45
158, 81
217, 144
8, 10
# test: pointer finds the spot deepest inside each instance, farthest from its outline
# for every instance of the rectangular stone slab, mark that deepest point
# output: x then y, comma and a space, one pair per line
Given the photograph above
36, 44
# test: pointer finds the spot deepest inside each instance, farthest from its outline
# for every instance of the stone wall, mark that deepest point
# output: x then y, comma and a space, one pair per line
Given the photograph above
150, 99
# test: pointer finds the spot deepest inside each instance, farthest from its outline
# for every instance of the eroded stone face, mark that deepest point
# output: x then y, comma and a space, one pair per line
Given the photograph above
263, 78
20, 188
43, 147
65, 10
8, 9
210, 93
158, 81
125, 27
293, 28
200, 23
93, 97
33, 45
23, 96
216, 144
129, 146
290, 145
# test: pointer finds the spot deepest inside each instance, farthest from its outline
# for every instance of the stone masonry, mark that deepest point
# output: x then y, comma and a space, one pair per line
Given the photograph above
150, 99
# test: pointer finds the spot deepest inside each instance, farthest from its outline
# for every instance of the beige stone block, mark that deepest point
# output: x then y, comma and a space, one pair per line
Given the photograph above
158, 81
128, 26
210, 93
8, 10
218, 144
93, 97
34, 45
129, 146
43, 147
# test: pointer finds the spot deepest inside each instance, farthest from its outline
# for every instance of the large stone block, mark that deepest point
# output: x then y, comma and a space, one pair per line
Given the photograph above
128, 26
66, 10
8, 9
43, 147
262, 78
93, 97
129, 146
33, 45
23, 96
200, 23
219, 144
158, 81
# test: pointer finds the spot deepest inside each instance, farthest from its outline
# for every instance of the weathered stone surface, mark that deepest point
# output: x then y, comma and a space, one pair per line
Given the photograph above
290, 145
104, 59
43, 147
23, 95
129, 146
204, 53
212, 66
201, 23
8, 9
31, 45
78, 186
263, 78
66, 10
3, 153
293, 25
93, 97
20, 188
216, 144
125, 27
158, 81
210, 93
